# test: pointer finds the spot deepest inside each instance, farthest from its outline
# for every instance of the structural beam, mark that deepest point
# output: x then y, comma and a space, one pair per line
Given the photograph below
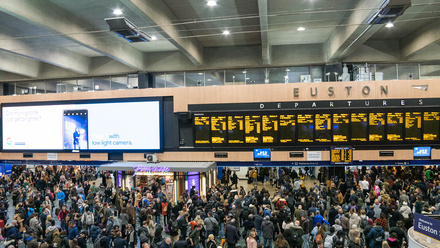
57, 56
48, 15
352, 32
264, 27
19, 65
159, 14
420, 40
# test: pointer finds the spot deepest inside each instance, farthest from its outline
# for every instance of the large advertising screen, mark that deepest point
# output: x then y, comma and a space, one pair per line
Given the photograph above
122, 125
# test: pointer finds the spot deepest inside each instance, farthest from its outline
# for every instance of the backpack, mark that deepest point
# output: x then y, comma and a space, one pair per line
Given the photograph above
216, 229
295, 235
338, 242
364, 223
97, 243
143, 235
378, 239
174, 227
328, 242
89, 219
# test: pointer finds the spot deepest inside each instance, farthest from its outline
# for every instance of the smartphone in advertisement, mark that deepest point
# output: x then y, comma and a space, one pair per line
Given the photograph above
75, 129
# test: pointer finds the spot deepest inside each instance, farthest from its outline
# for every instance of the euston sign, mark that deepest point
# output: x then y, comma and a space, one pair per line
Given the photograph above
427, 226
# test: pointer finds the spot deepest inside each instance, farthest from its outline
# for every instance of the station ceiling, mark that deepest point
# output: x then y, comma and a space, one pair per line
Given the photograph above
58, 38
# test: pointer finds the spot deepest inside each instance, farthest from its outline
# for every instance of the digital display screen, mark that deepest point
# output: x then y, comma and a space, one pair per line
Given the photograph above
341, 155
236, 129
218, 129
413, 126
287, 129
422, 152
252, 129
431, 125
262, 153
359, 125
269, 128
341, 123
202, 129
305, 128
395, 126
323, 128
284, 129
130, 125
377, 127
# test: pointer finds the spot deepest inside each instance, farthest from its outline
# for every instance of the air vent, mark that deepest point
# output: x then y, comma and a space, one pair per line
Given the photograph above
28, 155
297, 154
84, 155
220, 155
389, 11
386, 153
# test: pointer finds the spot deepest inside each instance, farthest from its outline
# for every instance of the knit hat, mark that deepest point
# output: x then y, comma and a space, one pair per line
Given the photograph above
370, 222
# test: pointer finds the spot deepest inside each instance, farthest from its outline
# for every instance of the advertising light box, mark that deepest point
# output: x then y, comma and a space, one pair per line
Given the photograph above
81, 126
261, 153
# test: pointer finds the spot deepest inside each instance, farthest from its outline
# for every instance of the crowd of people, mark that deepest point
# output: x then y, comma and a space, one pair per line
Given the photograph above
59, 206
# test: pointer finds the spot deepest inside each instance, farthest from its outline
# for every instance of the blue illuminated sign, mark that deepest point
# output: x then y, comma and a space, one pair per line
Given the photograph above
261, 153
422, 151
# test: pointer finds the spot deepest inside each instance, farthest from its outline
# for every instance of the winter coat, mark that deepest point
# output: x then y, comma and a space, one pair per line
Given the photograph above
268, 229
95, 231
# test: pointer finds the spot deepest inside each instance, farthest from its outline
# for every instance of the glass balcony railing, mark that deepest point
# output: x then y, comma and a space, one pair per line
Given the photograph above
245, 76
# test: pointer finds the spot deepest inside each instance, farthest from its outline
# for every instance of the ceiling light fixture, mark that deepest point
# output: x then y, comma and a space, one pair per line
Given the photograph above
211, 3
153, 37
226, 32
117, 12
301, 29
389, 25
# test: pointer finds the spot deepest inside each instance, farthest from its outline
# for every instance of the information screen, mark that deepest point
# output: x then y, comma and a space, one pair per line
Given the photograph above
431, 124
359, 125
269, 128
305, 128
252, 128
323, 128
129, 125
341, 155
377, 127
341, 123
395, 126
338, 128
287, 129
202, 129
236, 129
218, 129
413, 126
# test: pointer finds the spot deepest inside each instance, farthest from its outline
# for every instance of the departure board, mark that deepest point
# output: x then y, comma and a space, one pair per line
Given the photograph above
431, 124
341, 155
341, 123
202, 129
218, 129
252, 129
236, 129
287, 129
413, 126
359, 124
395, 126
305, 128
376, 124
269, 128
323, 128
314, 128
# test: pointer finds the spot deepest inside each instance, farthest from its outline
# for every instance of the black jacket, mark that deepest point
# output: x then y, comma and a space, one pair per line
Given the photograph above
120, 243
180, 244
